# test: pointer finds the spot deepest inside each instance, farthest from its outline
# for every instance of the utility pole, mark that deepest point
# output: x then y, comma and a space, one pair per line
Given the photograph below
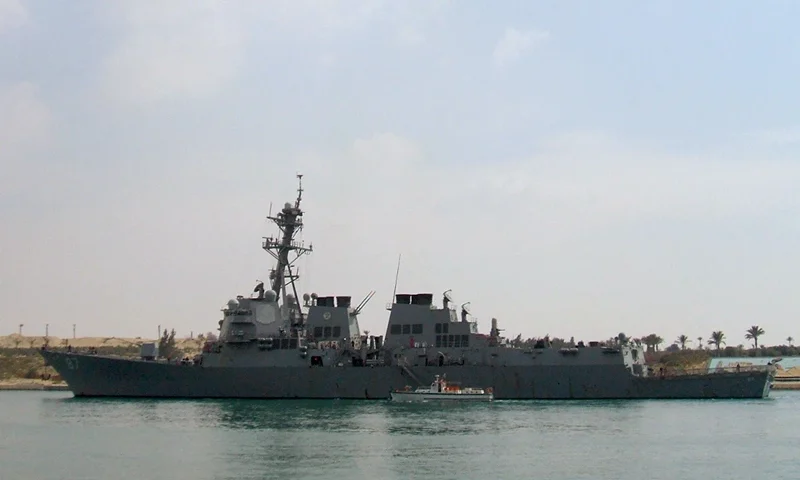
73, 331
20, 328
46, 330
159, 331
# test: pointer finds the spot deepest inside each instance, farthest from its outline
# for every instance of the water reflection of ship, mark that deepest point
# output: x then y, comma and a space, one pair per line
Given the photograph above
338, 415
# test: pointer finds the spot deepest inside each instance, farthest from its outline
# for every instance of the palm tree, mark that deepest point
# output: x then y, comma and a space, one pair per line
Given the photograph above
790, 340
753, 333
717, 338
682, 341
652, 342
699, 343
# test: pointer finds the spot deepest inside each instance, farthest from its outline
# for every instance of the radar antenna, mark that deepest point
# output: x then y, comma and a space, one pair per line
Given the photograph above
464, 311
447, 299
290, 222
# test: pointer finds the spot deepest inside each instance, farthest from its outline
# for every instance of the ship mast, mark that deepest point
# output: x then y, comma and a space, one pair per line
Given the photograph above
290, 222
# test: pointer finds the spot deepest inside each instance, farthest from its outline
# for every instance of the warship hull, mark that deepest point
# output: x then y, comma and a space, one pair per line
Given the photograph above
103, 376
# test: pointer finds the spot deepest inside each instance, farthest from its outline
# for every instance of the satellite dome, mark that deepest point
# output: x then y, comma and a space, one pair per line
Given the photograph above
287, 205
306, 297
290, 299
270, 295
314, 296
232, 304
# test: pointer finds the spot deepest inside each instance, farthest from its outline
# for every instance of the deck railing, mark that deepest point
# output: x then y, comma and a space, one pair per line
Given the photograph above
676, 371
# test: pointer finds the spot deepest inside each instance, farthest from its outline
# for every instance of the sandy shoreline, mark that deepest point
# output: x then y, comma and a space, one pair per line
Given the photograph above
22, 385
778, 385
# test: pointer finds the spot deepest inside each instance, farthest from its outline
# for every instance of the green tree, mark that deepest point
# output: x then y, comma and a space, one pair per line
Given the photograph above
753, 333
717, 338
682, 341
166, 345
652, 342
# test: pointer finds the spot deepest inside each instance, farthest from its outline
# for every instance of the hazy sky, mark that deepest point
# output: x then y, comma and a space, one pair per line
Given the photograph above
572, 168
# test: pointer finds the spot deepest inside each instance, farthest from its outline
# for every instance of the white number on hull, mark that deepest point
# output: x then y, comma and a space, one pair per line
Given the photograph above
72, 363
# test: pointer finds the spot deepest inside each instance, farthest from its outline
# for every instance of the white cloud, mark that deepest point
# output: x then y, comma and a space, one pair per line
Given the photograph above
25, 122
515, 43
327, 60
24, 118
193, 49
522, 239
531, 226
172, 50
313, 16
778, 136
410, 36
12, 15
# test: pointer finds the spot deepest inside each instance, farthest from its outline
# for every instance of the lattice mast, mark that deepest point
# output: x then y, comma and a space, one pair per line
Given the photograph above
290, 222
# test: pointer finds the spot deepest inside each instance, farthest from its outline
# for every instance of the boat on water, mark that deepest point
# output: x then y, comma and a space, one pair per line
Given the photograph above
274, 344
440, 389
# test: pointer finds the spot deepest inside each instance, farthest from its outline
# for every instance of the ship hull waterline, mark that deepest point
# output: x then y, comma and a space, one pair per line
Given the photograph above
440, 397
103, 376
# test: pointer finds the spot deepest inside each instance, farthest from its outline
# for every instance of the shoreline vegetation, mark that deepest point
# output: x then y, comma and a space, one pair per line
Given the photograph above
23, 368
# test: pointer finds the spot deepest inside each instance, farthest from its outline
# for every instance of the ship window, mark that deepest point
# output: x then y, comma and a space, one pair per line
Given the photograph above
438, 340
318, 332
438, 328
284, 343
450, 341
406, 329
416, 328
395, 329
457, 341
337, 332
445, 328
465, 340
327, 333
293, 343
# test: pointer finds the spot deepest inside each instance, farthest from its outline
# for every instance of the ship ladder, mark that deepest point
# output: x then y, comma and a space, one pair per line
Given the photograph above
404, 366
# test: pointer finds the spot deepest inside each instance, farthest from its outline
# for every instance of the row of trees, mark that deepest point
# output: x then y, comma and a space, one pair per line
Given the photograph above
653, 342
717, 339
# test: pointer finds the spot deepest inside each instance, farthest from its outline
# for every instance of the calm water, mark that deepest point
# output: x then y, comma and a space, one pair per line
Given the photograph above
49, 435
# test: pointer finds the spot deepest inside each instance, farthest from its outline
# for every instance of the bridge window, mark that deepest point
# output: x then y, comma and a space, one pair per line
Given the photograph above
445, 328
438, 339
327, 333
457, 341
465, 340
337, 332
438, 328
293, 343
317, 332
406, 329
450, 341
395, 329
284, 343
416, 328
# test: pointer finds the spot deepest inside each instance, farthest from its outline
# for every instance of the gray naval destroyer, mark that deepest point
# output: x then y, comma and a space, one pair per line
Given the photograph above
273, 345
